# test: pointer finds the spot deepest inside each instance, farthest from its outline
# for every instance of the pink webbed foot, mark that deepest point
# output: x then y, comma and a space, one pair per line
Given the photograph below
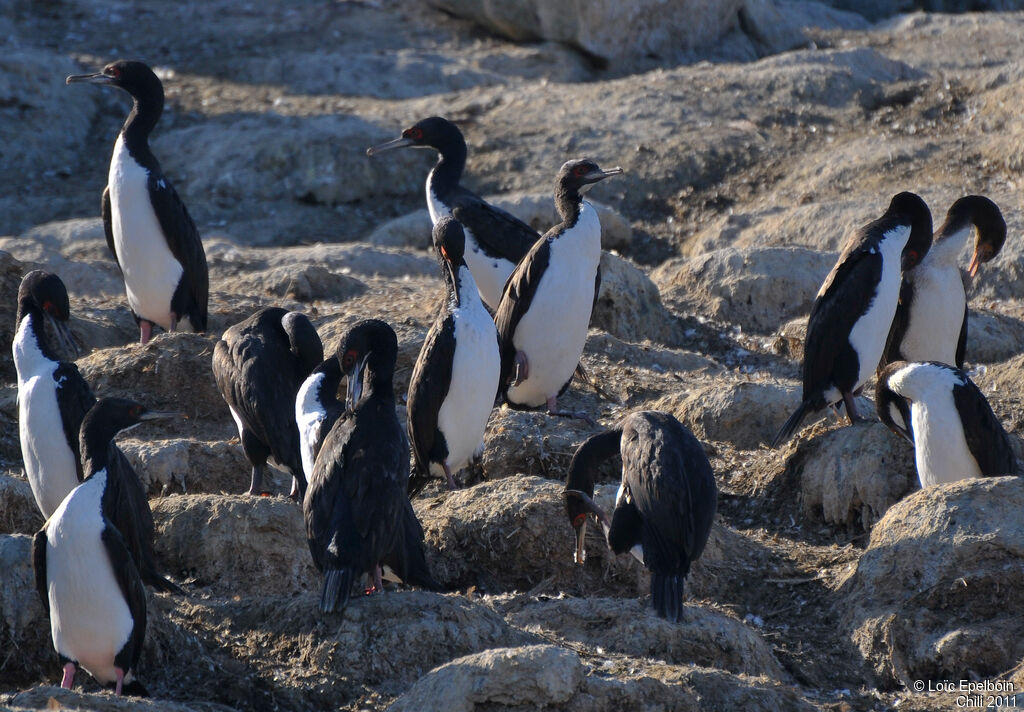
120, 681
452, 486
69, 676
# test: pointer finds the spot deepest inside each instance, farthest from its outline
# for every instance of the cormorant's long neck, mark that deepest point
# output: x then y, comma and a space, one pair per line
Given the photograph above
589, 457
29, 310
145, 113
452, 162
96, 438
569, 203
379, 380
948, 245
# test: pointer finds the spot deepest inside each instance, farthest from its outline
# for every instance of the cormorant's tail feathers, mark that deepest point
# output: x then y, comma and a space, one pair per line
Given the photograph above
336, 591
667, 595
160, 583
791, 424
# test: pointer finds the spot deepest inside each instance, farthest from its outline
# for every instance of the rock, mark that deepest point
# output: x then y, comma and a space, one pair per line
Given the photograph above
32, 93
410, 230
520, 442
233, 543
992, 336
758, 288
937, 589
18, 511
778, 25
53, 697
703, 637
743, 413
657, 358
10, 280
533, 676
847, 489
269, 157
685, 689
171, 372
194, 466
614, 32
24, 626
305, 283
879, 9
789, 339
347, 651
362, 260
629, 306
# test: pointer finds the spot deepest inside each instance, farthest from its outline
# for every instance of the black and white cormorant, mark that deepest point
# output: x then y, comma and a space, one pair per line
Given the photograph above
853, 310
456, 375
931, 319
85, 571
545, 309
53, 397
955, 433
317, 408
148, 229
495, 240
665, 504
356, 497
259, 365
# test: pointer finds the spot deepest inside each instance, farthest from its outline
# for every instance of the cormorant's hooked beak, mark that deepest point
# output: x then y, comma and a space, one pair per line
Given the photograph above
596, 176
97, 78
64, 337
581, 531
581, 534
399, 142
982, 253
354, 389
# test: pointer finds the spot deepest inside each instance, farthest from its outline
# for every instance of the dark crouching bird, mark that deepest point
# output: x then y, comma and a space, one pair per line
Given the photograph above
954, 431
148, 229
853, 311
931, 319
85, 571
456, 375
495, 240
355, 502
52, 395
545, 309
259, 365
665, 504
317, 408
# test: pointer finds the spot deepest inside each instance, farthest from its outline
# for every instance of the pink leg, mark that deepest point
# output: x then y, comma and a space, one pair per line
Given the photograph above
69, 676
522, 371
553, 410
174, 322
451, 478
145, 331
120, 681
378, 579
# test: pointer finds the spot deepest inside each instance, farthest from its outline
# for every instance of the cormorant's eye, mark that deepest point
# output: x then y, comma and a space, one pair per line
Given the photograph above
415, 133
578, 520
349, 359
580, 171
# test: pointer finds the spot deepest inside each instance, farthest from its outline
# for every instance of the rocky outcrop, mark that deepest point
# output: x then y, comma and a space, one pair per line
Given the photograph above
758, 288
233, 543
936, 592
845, 488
